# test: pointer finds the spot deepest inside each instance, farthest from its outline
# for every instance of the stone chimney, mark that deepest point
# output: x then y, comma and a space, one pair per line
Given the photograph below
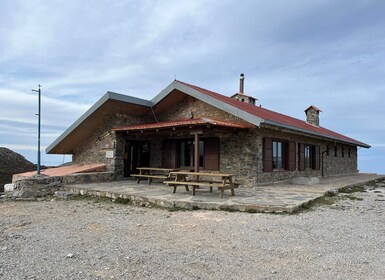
312, 115
241, 96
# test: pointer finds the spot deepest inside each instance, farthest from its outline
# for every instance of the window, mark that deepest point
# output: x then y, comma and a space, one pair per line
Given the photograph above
343, 152
335, 151
348, 152
180, 153
308, 157
327, 150
186, 153
278, 155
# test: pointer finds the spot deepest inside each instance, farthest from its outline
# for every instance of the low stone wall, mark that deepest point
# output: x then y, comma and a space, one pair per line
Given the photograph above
44, 185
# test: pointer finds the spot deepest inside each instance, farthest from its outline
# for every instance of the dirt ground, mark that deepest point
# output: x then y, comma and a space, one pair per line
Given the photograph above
343, 238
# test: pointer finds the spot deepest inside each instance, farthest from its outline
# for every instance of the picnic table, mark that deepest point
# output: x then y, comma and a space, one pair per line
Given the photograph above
222, 181
151, 173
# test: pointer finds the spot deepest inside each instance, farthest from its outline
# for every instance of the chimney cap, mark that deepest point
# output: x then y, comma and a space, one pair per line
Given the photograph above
242, 76
313, 107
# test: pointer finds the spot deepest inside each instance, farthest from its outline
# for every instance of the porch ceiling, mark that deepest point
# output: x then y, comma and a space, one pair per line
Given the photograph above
189, 123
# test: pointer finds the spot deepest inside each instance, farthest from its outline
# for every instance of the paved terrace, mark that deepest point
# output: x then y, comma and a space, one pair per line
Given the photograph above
280, 197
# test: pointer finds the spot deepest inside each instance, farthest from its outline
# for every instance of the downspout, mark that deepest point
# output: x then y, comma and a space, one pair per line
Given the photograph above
153, 113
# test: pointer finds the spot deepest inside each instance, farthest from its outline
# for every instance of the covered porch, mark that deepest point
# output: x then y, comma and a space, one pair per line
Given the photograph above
190, 144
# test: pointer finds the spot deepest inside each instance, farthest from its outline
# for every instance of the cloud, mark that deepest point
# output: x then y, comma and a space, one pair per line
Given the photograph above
22, 107
294, 54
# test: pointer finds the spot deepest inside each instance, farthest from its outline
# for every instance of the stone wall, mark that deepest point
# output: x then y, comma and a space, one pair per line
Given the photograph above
40, 186
242, 154
104, 146
199, 109
336, 165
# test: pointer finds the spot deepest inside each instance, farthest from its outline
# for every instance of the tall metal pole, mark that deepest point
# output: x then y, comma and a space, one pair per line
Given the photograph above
38, 129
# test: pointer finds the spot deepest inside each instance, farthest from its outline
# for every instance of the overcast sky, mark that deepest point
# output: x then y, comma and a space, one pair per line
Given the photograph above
330, 54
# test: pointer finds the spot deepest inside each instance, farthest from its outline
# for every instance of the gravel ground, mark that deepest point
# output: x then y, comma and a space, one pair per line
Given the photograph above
89, 239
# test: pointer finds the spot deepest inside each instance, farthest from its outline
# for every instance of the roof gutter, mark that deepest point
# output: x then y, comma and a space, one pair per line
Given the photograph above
360, 144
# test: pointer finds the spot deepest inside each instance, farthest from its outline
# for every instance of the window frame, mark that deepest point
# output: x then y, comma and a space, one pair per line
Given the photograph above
282, 144
308, 156
185, 142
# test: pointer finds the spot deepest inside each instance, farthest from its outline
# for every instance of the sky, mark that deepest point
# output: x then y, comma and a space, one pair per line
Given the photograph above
330, 54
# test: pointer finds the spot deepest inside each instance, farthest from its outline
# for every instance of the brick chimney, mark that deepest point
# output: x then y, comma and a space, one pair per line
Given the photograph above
312, 115
241, 96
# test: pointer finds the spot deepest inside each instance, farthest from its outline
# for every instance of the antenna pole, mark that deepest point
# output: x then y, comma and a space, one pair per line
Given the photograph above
38, 129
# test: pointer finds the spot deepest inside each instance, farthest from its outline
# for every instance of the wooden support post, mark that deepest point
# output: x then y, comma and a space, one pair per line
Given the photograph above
196, 152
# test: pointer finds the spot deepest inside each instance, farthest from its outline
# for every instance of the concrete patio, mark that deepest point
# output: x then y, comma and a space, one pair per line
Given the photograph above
280, 197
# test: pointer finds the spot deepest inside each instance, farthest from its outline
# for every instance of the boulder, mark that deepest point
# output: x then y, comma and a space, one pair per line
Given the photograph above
9, 187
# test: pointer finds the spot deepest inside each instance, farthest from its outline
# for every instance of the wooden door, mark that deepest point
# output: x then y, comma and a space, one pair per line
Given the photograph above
136, 154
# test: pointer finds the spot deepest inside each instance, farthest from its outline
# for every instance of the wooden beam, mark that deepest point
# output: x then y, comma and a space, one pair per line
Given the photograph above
196, 152
194, 132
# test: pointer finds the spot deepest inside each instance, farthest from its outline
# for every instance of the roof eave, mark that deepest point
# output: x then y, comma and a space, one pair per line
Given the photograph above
107, 96
359, 144
209, 100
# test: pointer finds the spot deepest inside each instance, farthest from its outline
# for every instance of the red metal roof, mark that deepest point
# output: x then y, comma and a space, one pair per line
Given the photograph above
182, 123
275, 118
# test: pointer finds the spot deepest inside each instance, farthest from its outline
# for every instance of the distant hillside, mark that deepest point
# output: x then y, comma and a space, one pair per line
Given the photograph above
11, 163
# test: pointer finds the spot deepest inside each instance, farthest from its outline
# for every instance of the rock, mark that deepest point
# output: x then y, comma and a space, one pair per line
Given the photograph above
332, 192
63, 194
305, 181
12, 163
9, 187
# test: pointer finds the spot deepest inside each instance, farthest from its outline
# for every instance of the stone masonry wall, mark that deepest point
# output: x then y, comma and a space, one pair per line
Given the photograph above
336, 165
248, 162
199, 109
105, 141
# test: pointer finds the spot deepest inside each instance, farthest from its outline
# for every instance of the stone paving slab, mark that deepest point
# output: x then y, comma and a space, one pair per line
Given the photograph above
282, 197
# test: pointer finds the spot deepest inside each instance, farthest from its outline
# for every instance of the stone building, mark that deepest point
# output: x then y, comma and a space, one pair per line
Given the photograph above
232, 134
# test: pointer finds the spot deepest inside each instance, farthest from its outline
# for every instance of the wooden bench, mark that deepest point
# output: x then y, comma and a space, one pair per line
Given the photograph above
184, 179
151, 173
